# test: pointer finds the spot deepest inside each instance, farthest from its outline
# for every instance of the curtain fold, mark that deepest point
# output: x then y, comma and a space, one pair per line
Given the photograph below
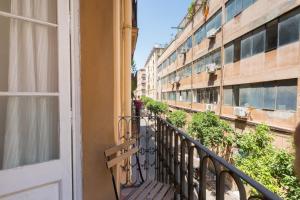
31, 133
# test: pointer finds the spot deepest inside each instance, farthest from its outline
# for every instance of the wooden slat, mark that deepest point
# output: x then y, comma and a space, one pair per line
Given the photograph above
146, 191
115, 149
13, 16
170, 194
116, 160
157, 188
139, 190
162, 192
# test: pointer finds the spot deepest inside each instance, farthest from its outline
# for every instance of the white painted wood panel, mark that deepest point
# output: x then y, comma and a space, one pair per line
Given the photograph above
46, 192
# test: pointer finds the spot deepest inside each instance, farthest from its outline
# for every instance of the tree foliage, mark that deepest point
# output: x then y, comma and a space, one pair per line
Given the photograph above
252, 152
156, 107
213, 132
145, 99
177, 118
271, 167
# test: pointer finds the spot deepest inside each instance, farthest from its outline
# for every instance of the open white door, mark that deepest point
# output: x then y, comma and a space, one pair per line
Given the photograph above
35, 116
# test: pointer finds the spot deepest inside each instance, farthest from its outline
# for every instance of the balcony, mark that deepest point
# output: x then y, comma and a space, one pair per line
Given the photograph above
168, 155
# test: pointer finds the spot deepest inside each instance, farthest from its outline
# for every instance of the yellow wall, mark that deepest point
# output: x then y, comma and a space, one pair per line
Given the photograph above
97, 95
106, 52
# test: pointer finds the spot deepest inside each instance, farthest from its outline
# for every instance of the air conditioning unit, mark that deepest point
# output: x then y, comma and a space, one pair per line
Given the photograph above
211, 68
209, 107
240, 112
211, 33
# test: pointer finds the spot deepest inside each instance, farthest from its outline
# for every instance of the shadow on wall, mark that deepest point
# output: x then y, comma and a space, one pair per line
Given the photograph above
240, 125
212, 78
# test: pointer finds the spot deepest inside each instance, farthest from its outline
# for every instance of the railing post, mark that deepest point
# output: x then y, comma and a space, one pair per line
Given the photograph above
158, 157
182, 168
191, 172
220, 183
166, 144
171, 157
202, 179
176, 162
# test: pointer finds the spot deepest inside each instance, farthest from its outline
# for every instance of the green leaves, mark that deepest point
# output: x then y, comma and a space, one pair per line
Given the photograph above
213, 133
177, 118
145, 99
271, 167
255, 155
156, 107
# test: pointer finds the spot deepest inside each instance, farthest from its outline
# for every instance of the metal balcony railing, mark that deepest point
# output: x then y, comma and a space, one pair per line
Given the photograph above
169, 155
134, 13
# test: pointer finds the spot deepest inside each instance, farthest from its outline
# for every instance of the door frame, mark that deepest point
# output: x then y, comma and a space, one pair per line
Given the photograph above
76, 100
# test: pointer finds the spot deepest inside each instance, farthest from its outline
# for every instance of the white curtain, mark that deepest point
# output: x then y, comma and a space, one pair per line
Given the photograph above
31, 128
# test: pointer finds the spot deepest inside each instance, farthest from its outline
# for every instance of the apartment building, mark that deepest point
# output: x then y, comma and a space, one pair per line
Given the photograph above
141, 83
151, 71
241, 62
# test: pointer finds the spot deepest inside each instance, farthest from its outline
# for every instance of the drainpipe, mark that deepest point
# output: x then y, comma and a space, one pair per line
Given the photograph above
192, 65
127, 32
222, 59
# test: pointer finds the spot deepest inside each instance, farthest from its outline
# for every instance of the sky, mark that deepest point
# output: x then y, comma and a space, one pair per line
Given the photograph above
155, 19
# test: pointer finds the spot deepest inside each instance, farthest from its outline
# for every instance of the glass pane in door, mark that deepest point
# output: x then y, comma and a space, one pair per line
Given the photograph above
28, 56
44, 10
29, 130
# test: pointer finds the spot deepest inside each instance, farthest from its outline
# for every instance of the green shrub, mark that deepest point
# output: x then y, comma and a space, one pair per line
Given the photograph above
177, 118
282, 170
156, 107
213, 132
145, 99
271, 167
255, 142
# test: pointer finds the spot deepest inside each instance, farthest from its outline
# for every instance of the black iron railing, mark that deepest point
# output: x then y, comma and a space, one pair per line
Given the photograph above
134, 13
169, 155
187, 164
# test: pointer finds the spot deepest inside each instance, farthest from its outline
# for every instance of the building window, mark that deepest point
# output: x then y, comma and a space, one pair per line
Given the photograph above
231, 95
288, 28
185, 72
207, 95
228, 96
269, 95
246, 46
228, 54
213, 58
173, 57
230, 10
237, 50
253, 43
258, 41
275, 95
215, 22
199, 66
234, 7
216, 57
200, 34
189, 43
251, 96
287, 95
271, 35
